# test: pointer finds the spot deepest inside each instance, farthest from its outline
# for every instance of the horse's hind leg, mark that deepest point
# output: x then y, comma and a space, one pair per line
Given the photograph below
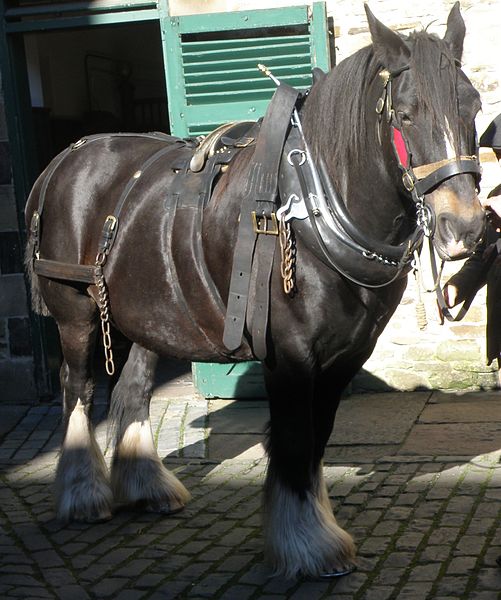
138, 476
82, 488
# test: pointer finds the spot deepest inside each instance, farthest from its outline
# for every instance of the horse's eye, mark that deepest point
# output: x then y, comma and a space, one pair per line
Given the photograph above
404, 117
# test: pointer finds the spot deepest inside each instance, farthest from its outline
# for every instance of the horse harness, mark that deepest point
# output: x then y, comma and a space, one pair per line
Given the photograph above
198, 163
281, 167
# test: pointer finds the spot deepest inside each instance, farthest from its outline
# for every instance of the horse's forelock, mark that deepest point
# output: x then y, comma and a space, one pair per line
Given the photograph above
434, 70
337, 117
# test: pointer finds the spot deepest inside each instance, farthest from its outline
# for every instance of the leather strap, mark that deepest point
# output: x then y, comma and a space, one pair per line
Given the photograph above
109, 234
265, 253
54, 269
259, 195
445, 172
442, 305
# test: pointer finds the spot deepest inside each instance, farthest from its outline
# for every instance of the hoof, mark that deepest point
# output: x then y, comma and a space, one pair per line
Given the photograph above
337, 573
159, 507
92, 517
165, 507
95, 519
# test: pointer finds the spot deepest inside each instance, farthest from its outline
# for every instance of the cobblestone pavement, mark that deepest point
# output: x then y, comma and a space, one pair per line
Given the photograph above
414, 477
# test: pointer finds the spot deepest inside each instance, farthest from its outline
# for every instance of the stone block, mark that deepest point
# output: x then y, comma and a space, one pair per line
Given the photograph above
448, 439
405, 380
388, 422
474, 411
461, 350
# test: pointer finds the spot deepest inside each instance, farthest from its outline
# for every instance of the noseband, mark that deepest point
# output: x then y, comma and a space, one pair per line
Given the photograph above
418, 180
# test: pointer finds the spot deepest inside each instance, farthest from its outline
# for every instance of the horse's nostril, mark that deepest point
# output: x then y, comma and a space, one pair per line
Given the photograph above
457, 230
445, 228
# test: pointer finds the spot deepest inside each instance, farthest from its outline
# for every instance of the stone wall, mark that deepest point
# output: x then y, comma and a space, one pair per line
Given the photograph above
16, 361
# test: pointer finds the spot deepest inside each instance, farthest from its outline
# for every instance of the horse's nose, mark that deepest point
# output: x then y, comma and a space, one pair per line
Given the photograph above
459, 236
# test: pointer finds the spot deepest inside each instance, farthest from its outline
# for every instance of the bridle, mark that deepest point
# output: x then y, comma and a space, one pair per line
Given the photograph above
418, 180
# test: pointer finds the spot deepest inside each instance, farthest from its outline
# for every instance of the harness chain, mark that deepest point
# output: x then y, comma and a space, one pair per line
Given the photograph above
287, 264
104, 314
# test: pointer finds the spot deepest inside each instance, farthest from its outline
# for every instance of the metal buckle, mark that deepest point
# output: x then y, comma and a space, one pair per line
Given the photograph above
408, 181
35, 223
110, 223
260, 223
78, 143
385, 76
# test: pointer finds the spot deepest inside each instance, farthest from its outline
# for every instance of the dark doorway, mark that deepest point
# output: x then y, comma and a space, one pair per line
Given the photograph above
95, 80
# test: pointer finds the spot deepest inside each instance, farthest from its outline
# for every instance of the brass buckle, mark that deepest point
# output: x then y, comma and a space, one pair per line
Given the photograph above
408, 181
78, 143
265, 224
385, 76
35, 223
110, 222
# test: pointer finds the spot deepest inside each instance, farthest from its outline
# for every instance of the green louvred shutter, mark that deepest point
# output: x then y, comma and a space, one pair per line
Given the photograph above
211, 62
212, 78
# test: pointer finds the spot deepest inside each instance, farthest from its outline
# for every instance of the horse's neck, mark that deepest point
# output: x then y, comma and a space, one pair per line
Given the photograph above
372, 198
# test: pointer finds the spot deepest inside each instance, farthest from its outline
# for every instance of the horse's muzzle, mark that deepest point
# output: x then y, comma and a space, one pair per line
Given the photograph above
457, 237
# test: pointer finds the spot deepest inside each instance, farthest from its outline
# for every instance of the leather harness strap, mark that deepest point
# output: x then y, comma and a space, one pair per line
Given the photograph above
447, 170
258, 220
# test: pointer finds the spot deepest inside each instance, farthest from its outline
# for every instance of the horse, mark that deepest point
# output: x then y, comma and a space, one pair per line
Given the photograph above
380, 152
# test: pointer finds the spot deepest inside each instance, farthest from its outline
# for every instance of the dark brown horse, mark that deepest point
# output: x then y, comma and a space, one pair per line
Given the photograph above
391, 131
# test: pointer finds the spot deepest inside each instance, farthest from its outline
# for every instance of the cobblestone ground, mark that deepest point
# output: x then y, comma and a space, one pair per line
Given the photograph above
425, 526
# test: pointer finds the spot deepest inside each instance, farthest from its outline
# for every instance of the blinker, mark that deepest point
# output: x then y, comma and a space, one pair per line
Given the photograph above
400, 147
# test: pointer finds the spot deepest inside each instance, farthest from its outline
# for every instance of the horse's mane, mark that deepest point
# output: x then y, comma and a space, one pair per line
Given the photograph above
336, 120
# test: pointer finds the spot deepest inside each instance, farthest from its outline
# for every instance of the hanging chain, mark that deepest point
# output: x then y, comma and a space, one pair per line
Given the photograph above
105, 315
287, 256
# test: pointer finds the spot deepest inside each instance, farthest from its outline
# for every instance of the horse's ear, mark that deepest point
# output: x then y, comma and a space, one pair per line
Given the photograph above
455, 32
317, 74
389, 47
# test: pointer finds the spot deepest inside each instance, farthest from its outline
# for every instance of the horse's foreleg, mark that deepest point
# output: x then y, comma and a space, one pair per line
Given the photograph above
82, 488
301, 533
138, 476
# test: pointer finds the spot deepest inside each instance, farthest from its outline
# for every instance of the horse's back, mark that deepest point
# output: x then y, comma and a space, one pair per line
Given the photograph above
84, 184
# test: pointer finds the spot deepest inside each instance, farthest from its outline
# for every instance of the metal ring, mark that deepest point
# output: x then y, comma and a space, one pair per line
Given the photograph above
296, 151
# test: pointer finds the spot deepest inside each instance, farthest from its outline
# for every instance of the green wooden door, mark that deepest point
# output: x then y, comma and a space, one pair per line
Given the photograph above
212, 78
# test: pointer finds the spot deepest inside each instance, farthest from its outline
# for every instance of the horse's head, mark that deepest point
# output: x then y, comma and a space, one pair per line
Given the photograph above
426, 109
